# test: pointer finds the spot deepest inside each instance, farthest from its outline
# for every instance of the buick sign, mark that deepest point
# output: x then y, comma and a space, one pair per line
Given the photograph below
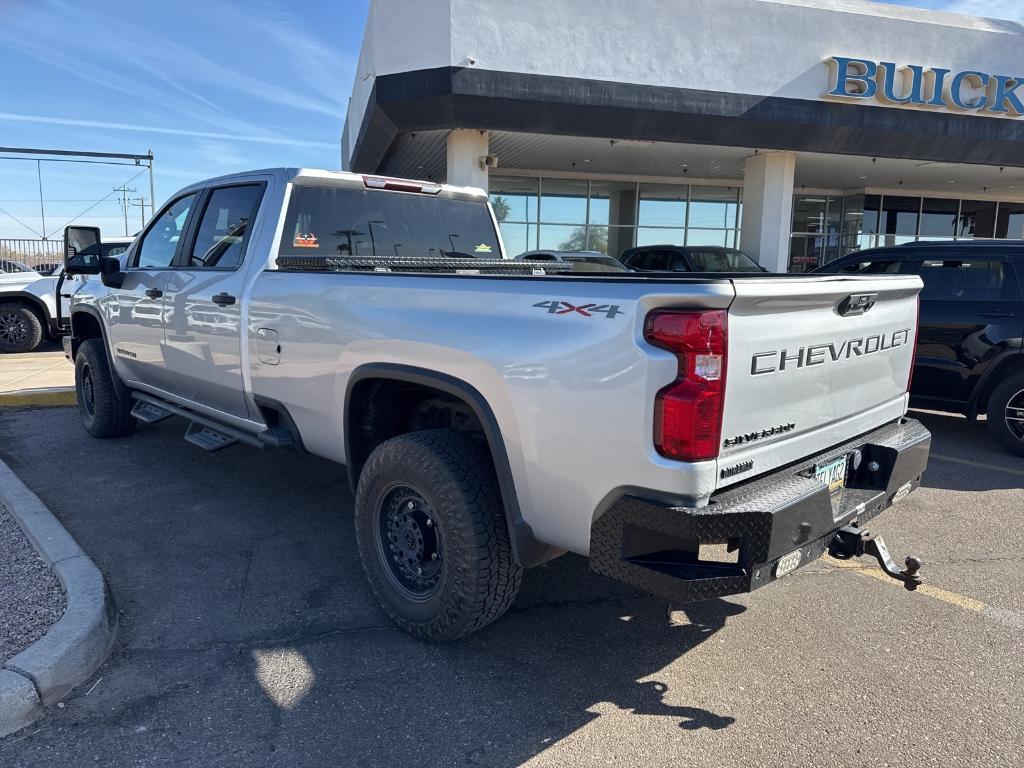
966, 91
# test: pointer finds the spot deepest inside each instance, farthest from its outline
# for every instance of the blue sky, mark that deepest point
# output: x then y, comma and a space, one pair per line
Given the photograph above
211, 87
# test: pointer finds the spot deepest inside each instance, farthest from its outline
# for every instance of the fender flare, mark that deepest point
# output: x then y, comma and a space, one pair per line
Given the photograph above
123, 392
525, 546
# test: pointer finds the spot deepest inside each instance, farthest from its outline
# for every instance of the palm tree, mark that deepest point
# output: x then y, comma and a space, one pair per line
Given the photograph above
501, 208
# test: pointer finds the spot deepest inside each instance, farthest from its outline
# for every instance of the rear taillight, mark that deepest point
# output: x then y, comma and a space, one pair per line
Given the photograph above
688, 412
913, 351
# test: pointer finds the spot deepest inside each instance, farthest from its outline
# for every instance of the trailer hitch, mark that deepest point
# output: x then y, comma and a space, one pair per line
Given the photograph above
851, 541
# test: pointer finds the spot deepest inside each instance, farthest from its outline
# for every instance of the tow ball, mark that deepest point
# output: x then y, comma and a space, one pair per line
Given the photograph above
851, 541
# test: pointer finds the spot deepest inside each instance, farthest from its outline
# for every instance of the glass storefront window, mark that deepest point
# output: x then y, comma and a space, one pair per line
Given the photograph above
518, 237
977, 218
660, 236
939, 217
612, 202
562, 237
514, 199
663, 205
713, 207
809, 213
563, 201
898, 219
1010, 222
708, 236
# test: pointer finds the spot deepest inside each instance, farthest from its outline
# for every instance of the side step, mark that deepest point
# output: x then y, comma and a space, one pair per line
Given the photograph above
149, 412
207, 438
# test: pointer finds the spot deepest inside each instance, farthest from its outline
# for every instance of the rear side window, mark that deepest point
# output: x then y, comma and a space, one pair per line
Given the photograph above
222, 230
653, 261
724, 261
333, 221
966, 280
872, 267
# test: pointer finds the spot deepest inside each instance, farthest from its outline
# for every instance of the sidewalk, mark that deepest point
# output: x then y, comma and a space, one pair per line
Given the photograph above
43, 377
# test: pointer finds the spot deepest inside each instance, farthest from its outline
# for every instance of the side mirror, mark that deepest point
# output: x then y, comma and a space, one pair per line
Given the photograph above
82, 250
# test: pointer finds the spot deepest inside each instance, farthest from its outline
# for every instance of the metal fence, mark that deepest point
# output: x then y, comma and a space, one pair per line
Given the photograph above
35, 254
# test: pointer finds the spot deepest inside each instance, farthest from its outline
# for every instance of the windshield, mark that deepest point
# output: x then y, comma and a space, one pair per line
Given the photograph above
334, 221
724, 261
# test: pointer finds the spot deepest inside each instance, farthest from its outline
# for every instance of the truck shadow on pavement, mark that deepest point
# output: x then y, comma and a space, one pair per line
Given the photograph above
248, 635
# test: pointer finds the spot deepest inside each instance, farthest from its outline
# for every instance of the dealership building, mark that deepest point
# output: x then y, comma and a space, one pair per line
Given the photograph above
798, 131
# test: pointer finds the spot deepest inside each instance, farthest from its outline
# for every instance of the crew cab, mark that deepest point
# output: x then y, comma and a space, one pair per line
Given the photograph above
494, 413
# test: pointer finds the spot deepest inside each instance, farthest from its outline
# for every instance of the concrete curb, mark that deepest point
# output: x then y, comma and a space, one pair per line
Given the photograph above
46, 397
74, 647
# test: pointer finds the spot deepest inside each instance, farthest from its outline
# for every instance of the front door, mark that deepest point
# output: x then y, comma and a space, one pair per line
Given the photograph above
203, 299
136, 312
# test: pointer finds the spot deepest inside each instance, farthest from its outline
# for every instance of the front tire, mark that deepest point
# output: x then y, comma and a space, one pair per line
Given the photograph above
432, 535
21, 329
1006, 413
103, 413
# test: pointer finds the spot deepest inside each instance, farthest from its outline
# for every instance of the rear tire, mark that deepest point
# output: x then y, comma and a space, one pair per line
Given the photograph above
21, 329
1005, 404
104, 414
432, 535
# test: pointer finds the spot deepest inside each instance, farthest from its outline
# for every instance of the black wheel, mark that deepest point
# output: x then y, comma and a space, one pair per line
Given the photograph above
104, 414
432, 534
21, 329
1006, 413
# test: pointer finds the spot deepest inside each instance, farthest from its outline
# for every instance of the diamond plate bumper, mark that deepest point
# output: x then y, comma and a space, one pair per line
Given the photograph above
658, 547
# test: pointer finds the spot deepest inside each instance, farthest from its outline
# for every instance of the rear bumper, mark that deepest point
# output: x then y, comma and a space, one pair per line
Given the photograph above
657, 547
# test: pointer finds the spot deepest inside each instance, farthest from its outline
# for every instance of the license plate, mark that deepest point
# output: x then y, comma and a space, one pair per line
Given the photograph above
832, 474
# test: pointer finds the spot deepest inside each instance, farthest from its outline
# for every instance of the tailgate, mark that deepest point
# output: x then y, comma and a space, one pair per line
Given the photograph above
813, 362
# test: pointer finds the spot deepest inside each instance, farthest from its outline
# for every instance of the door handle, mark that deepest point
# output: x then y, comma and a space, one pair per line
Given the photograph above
222, 299
997, 314
154, 293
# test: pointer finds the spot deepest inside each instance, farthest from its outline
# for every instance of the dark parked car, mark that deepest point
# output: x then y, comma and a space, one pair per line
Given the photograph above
971, 334
688, 258
581, 261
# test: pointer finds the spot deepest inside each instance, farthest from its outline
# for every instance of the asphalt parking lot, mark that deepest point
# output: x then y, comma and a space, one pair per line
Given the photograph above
248, 635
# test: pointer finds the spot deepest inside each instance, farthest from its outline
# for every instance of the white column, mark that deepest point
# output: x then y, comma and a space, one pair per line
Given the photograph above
768, 208
465, 148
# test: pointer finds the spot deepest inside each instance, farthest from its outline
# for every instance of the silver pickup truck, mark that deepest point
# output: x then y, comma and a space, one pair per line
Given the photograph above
694, 436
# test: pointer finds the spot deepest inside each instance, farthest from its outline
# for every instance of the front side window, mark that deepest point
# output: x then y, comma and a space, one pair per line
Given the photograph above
336, 221
966, 280
161, 242
222, 229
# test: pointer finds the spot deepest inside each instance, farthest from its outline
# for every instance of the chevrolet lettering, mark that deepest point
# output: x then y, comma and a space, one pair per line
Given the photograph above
831, 352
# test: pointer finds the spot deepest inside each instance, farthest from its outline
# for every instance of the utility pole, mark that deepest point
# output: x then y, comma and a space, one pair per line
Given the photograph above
140, 203
123, 197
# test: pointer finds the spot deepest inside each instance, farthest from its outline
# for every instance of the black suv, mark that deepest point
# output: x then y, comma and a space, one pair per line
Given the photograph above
688, 258
971, 331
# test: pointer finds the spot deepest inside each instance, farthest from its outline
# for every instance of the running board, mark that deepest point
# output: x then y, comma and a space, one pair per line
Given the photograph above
150, 413
206, 438
225, 434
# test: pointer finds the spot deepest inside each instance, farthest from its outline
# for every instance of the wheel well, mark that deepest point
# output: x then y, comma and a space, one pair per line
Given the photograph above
34, 304
379, 409
85, 326
1007, 367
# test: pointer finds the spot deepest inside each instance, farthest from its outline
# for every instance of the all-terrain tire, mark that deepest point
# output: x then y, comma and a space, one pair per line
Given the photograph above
21, 329
449, 478
1005, 404
104, 414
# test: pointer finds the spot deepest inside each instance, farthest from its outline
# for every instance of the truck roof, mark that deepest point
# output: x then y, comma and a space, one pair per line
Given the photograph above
342, 177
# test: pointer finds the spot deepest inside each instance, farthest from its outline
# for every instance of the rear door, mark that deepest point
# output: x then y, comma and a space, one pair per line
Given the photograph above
814, 361
970, 308
136, 311
203, 297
